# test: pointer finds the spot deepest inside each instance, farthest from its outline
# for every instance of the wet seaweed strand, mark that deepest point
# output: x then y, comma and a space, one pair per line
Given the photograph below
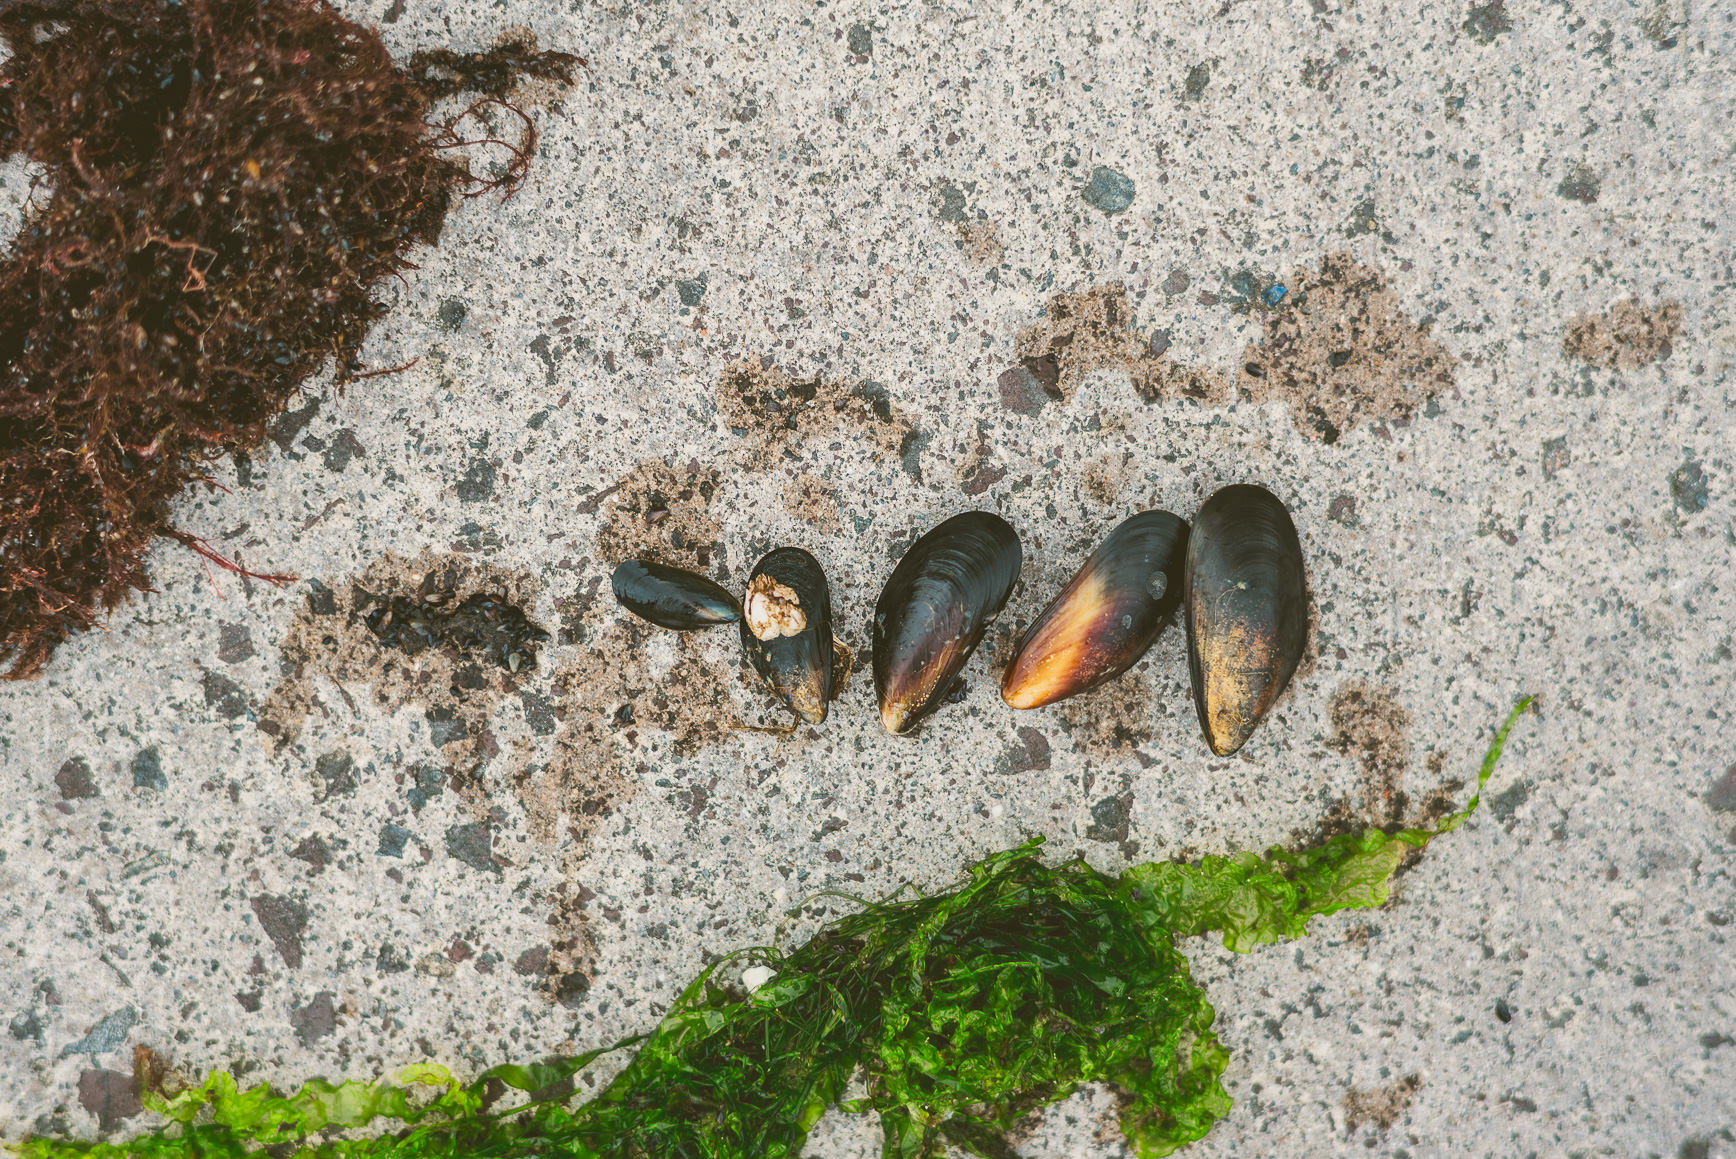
964, 1011
229, 180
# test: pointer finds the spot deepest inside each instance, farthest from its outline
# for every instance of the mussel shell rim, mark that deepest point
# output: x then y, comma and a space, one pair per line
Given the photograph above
1154, 533
797, 569
707, 603
1289, 619
950, 546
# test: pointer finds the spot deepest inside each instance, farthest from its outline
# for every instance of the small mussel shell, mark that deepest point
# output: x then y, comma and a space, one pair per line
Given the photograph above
1247, 611
786, 630
1106, 617
933, 611
672, 598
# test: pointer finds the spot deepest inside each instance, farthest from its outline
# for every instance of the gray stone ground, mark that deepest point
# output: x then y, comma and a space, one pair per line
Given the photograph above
891, 195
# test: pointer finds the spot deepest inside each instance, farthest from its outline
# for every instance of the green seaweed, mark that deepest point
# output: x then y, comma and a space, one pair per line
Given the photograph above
963, 1011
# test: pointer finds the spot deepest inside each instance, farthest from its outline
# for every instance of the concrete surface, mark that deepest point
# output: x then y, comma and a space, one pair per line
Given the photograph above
891, 195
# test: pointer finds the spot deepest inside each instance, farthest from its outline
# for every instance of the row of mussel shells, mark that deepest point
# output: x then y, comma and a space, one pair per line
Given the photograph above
1236, 575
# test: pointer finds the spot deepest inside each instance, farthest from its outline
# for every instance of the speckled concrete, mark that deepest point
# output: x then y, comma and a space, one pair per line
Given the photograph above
890, 195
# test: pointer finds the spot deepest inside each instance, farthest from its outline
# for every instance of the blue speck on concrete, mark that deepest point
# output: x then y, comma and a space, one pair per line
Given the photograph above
392, 840
148, 770
1688, 485
1108, 190
691, 291
105, 1035
429, 781
1274, 294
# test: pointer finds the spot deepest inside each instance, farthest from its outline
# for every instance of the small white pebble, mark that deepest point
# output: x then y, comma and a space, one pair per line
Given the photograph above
756, 976
995, 811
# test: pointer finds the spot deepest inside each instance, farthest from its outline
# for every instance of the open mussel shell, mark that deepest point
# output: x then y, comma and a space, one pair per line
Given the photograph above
1107, 615
672, 598
786, 630
933, 611
1247, 611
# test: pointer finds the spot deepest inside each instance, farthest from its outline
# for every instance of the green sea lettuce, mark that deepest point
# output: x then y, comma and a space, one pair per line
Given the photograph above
963, 1011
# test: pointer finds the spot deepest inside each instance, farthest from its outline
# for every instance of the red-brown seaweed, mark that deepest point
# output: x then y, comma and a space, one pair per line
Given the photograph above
229, 180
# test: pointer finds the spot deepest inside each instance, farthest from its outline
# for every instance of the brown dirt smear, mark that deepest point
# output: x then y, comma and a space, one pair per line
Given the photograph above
1343, 353
1091, 331
1340, 352
603, 697
1628, 337
981, 243
330, 638
1379, 1107
1370, 724
814, 502
778, 412
663, 513
1112, 722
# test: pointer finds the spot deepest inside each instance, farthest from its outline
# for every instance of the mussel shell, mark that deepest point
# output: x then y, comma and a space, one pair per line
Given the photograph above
1246, 599
933, 611
797, 668
1106, 617
672, 598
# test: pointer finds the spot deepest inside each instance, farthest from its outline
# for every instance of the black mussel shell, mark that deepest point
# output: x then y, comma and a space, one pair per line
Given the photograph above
1106, 617
786, 630
933, 611
1247, 611
672, 598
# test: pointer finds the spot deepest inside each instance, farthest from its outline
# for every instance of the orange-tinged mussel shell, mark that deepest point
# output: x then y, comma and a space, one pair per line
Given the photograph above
1246, 601
1106, 617
934, 609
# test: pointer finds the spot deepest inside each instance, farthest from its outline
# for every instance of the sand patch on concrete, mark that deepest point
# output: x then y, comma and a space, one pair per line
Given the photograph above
607, 701
1114, 721
1626, 337
1082, 333
1342, 352
662, 512
814, 502
331, 642
1379, 1107
1370, 724
981, 243
778, 412
1337, 348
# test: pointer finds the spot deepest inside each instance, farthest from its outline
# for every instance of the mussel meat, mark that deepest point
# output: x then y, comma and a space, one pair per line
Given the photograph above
1246, 600
933, 611
672, 598
786, 630
1107, 615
